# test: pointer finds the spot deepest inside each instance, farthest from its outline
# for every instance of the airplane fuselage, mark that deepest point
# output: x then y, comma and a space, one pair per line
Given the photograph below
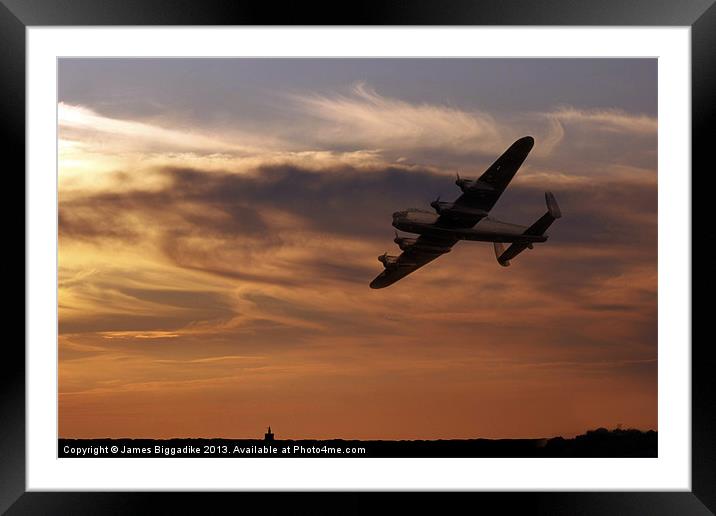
486, 230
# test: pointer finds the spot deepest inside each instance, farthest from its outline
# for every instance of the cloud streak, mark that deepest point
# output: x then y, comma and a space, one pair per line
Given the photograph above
609, 120
367, 118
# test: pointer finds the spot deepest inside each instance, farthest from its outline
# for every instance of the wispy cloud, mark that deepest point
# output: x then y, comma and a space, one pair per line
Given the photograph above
366, 118
113, 134
609, 120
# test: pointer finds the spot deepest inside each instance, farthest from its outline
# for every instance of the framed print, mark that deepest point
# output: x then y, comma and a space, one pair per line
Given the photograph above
413, 250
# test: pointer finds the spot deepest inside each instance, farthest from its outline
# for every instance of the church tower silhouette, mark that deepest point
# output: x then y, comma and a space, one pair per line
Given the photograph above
269, 435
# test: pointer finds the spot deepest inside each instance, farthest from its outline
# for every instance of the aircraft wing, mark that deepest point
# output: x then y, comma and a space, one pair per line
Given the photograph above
424, 251
495, 179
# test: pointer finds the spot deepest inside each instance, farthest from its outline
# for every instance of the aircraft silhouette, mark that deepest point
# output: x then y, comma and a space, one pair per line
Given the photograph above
466, 219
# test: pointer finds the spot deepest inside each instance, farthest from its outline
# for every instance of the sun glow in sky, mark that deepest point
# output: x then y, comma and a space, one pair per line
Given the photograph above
220, 221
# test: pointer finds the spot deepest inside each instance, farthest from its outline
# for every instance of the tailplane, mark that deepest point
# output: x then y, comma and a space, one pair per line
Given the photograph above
499, 251
536, 229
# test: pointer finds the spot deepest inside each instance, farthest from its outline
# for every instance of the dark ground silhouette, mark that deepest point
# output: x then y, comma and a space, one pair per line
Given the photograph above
594, 443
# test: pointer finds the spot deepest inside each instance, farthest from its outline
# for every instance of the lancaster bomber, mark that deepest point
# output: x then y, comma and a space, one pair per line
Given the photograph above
466, 219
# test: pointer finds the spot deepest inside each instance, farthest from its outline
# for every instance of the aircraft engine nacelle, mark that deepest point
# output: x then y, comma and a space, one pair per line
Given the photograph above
469, 185
456, 211
442, 207
464, 184
388, 261
405, 242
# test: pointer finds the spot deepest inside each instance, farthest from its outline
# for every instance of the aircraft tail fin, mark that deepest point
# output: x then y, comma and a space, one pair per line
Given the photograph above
536, 229
545, 221
552, 205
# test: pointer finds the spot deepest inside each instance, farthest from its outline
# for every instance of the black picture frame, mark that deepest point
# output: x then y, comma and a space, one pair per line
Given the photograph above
700, 15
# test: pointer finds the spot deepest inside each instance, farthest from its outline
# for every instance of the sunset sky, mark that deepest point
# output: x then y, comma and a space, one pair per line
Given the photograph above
220, 220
